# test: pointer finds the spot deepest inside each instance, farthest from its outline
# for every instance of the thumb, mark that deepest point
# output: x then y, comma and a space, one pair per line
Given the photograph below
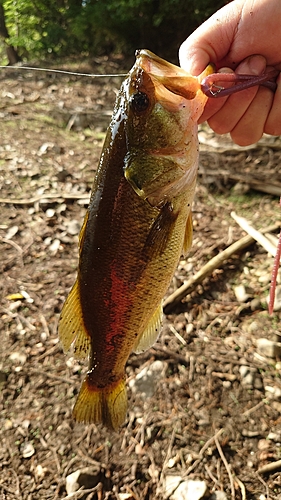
193, 59
212, 41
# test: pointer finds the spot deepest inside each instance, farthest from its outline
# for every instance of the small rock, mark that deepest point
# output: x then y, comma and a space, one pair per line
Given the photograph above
241, 293
273, 392
265, 278
146, 380
40, 471
219, 495
87, 477
247, 375
45, 147
50, 212
276, 405
73, 227
275, 436
8, 424
264, 444
18, 357
173, 461
255, 305
11, 232
177, 489
250, 377
241, 188
269, 348
54, 246
27, 450
190, 490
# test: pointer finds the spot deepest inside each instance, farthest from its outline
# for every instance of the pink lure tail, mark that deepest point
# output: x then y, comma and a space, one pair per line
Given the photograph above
274, 275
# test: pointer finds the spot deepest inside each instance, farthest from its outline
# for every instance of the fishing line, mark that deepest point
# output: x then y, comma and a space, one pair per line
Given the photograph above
60, 71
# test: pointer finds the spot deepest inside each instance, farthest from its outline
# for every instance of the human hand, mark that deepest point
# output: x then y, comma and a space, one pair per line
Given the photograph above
231, 39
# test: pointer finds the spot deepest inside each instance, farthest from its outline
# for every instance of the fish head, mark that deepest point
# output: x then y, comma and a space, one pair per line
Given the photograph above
163, 106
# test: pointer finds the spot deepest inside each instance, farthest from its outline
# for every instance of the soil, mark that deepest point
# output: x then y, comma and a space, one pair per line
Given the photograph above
214, 415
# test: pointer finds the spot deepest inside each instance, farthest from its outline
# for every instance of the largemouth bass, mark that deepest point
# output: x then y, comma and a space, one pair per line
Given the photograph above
137, 226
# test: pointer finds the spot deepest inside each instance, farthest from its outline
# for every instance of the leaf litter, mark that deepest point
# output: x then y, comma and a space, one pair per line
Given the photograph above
216, 400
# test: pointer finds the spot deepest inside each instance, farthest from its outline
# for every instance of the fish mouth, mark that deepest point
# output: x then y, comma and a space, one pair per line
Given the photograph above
167, 76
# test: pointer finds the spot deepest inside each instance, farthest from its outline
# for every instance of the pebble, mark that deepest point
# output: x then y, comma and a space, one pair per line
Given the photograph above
50, 212
219, 495
177, 489
73, 227
269, 348
241, 294
273, 392
18, 357
146, 379
87, 477
250, 377
275, 436
27, 450
54, 246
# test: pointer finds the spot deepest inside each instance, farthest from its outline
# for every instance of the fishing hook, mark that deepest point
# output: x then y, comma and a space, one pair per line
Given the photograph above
212, 85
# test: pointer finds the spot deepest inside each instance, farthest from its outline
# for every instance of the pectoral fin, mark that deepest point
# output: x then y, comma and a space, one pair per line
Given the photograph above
151, 332
160, 231
188, 235
71, 327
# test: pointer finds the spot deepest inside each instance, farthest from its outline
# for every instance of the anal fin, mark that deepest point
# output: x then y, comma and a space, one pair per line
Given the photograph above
187, 235
71, 327
151, 332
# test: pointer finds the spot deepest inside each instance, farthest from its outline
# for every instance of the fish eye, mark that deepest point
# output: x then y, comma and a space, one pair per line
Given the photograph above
140, 102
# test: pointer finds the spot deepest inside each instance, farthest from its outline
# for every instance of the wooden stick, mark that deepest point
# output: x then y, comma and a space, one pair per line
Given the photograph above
227, 466
272, 466
257, 235
213, 264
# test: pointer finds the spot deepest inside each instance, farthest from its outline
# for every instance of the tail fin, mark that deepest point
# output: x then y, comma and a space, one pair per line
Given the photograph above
107, 406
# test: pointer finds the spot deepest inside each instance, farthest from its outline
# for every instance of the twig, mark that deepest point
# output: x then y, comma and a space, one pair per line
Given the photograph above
170, 355
168, 455
265, 485
45, 196
260, 238
213, 264
202, 451
270, 467
209, 472
226, 466
50, 375
81, 492
242, 488
18, 249
254, 408
257, 185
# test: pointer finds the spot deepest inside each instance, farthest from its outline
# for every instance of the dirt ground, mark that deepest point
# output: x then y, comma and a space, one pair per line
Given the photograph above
215, 414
